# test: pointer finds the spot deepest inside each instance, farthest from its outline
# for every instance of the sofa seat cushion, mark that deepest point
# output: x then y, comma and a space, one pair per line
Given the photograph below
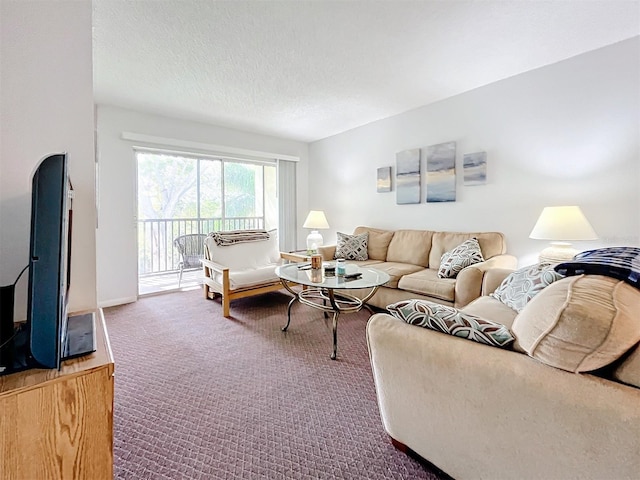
426, 282
491, 309
452, 321
395, 270
250, 277
580, 323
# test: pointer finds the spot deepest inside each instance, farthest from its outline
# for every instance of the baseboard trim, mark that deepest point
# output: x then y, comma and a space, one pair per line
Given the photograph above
117, 301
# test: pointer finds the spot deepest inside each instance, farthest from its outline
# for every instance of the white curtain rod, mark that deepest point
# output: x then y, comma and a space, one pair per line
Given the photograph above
222, 150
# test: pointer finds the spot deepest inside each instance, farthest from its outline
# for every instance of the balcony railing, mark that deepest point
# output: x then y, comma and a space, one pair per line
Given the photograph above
156, 253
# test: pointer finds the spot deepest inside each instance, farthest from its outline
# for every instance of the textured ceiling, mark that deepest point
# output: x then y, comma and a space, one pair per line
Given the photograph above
307, 70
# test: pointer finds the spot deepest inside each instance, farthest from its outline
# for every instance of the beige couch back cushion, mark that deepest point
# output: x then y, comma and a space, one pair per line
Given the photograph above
378, 242
410, 246
491, 244
580, 323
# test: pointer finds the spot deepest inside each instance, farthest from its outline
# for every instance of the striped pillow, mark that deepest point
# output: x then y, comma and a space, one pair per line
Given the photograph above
452, 321
621, 263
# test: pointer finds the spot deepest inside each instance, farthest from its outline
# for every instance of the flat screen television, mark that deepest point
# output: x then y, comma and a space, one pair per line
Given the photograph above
49, 261
49, 335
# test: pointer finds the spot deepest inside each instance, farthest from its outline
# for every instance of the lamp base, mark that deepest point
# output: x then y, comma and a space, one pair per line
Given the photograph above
314, 240
558, 252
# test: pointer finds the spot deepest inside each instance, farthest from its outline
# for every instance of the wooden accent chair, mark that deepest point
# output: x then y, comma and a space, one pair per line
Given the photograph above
242, 269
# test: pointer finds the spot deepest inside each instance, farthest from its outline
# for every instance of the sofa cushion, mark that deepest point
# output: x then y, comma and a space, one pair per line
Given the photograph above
628, 371
396, 271
622, 263
378, 242
465, 254
410, 246
452, 321
521, 286
250, 277
352, 247
580, 323
491, 244
426, 282
491, 309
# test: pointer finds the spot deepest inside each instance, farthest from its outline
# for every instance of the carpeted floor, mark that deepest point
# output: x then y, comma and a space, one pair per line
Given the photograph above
199, 396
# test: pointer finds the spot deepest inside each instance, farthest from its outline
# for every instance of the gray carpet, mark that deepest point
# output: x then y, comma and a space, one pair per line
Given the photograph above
198, 396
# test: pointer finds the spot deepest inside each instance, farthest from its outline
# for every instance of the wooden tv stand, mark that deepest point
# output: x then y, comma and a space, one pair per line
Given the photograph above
58, 424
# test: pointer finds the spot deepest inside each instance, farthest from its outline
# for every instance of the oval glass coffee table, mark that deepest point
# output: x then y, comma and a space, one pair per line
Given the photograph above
319, 291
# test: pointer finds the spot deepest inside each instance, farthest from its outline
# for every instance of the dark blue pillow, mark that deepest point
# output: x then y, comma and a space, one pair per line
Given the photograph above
622, 263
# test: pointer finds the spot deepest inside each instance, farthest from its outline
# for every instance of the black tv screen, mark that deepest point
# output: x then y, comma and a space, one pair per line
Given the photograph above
49, 255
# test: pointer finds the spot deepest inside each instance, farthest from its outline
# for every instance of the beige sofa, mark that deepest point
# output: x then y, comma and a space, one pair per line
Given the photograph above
477, 411
412, 259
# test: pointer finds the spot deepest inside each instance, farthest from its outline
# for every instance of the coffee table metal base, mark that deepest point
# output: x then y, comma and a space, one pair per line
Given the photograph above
328, 301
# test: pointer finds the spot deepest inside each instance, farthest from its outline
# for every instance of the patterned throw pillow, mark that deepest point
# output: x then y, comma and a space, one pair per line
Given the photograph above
622, 263
519, 287
452, 321
352, 247
465, 254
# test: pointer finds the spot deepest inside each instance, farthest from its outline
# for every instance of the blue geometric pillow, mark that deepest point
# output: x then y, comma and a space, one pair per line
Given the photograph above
622, 263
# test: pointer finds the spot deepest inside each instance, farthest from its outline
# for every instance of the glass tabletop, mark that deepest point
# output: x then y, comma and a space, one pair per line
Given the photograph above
302, 274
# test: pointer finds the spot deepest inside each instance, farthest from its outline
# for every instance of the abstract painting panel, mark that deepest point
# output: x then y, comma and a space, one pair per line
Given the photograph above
475, 168
408, 176
384, 179
441, 172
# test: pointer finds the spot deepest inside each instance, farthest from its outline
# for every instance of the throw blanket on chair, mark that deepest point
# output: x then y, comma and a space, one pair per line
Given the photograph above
239, 236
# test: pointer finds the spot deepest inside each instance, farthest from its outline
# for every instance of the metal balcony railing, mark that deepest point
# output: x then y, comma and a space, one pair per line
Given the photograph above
156, 253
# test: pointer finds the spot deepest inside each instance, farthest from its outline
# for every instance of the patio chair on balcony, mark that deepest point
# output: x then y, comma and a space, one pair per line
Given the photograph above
191, 249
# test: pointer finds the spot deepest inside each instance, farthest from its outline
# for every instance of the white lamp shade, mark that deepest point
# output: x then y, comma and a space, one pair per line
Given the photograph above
563, 224
316, 220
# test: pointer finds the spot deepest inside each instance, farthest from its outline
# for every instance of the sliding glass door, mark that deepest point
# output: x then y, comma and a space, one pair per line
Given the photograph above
180, 194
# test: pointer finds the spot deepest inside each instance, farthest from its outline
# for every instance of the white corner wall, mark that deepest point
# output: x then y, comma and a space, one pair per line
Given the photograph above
46, 106
117, 262
564, 134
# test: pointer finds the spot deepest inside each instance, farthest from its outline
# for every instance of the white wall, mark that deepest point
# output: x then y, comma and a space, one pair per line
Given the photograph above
46, 106
565, 134
116, 236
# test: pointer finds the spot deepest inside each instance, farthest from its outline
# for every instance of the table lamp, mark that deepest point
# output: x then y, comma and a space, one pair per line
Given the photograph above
561, 225
315, 220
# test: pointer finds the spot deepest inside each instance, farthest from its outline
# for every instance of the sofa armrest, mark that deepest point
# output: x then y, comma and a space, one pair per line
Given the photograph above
493, 278
462, 405
209, 266
328, 252
470, 280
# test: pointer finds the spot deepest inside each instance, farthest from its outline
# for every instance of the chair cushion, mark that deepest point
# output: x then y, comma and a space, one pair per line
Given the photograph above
465, 254
245, 256
580, 323
352, 247
452, 321
250, 277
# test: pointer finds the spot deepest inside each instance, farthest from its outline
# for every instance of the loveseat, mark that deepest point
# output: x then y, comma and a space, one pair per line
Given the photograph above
554, 405
412, 260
